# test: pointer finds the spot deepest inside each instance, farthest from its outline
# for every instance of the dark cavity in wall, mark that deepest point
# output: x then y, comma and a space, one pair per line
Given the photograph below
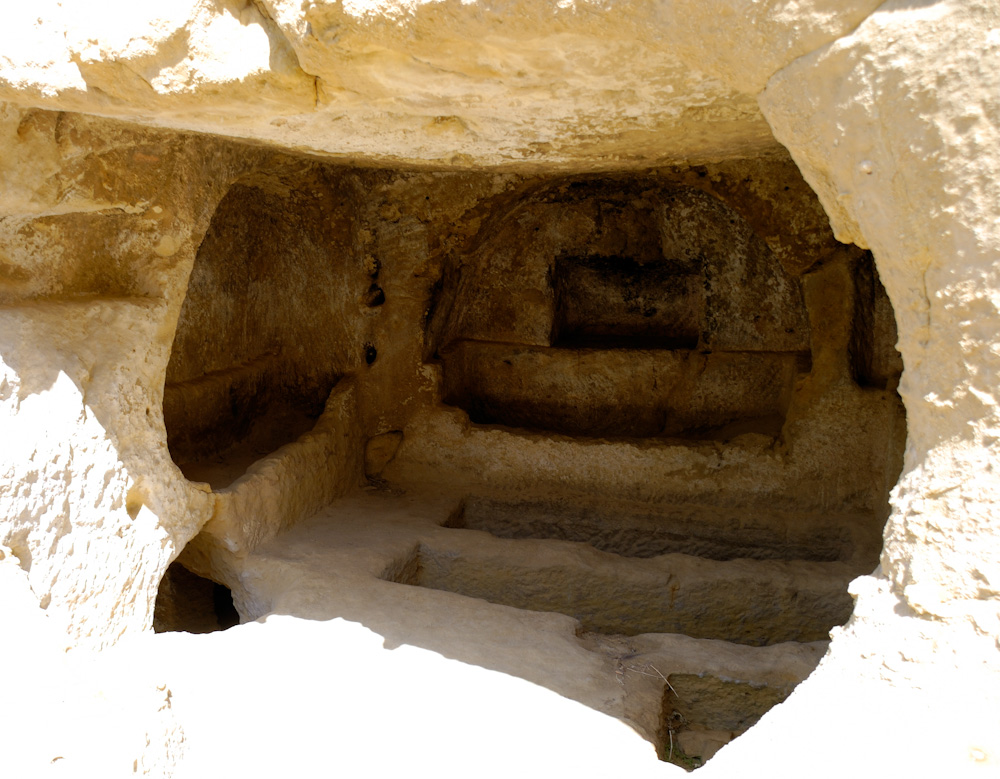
875, 362
188, 603
619, 307
705, 311
267, 325
617, 302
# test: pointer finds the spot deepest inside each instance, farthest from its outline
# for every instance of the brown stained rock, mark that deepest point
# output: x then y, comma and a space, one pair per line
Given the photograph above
756, 603
711, 532
379, 450
623, 393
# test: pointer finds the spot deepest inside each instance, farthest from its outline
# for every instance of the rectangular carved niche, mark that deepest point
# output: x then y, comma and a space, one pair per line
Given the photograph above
617, 302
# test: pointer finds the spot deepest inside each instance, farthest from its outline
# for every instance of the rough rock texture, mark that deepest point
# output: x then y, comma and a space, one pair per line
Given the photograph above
205, 345
582, 84
93, 715
356, 558
940, 268
100, 235
761, 36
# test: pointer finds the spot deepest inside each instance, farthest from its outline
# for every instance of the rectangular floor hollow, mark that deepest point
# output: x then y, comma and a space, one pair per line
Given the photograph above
757, 603
711, 532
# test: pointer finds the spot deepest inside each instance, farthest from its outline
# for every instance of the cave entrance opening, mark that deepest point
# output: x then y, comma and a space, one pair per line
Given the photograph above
662, 405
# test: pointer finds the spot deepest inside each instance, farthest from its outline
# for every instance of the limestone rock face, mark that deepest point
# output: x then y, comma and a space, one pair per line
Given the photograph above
509, 331
101, 233
578, 84
107, 715
761, 37
86, 470
900, 143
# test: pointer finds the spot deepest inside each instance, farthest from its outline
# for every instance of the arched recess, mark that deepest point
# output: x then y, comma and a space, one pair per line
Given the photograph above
624, 309
269, 322
677, 323
701, 389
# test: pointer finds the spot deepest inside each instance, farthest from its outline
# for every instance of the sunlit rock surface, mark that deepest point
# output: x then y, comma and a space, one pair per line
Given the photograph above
499, 366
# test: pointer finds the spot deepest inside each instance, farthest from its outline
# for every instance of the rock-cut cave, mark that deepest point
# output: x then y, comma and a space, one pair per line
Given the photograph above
500, 388
661, 405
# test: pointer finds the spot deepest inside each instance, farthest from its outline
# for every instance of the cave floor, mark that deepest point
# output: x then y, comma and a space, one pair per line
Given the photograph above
676, 646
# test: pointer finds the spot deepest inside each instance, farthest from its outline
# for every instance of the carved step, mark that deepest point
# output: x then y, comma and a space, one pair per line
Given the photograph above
620, 392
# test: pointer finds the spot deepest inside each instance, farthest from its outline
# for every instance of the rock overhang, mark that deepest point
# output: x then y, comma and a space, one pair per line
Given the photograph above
527, 85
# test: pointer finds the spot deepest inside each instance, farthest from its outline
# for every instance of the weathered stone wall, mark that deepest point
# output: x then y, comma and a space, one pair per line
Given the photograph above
889, 110
937, 249
296, 278
100, 234
583, 85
